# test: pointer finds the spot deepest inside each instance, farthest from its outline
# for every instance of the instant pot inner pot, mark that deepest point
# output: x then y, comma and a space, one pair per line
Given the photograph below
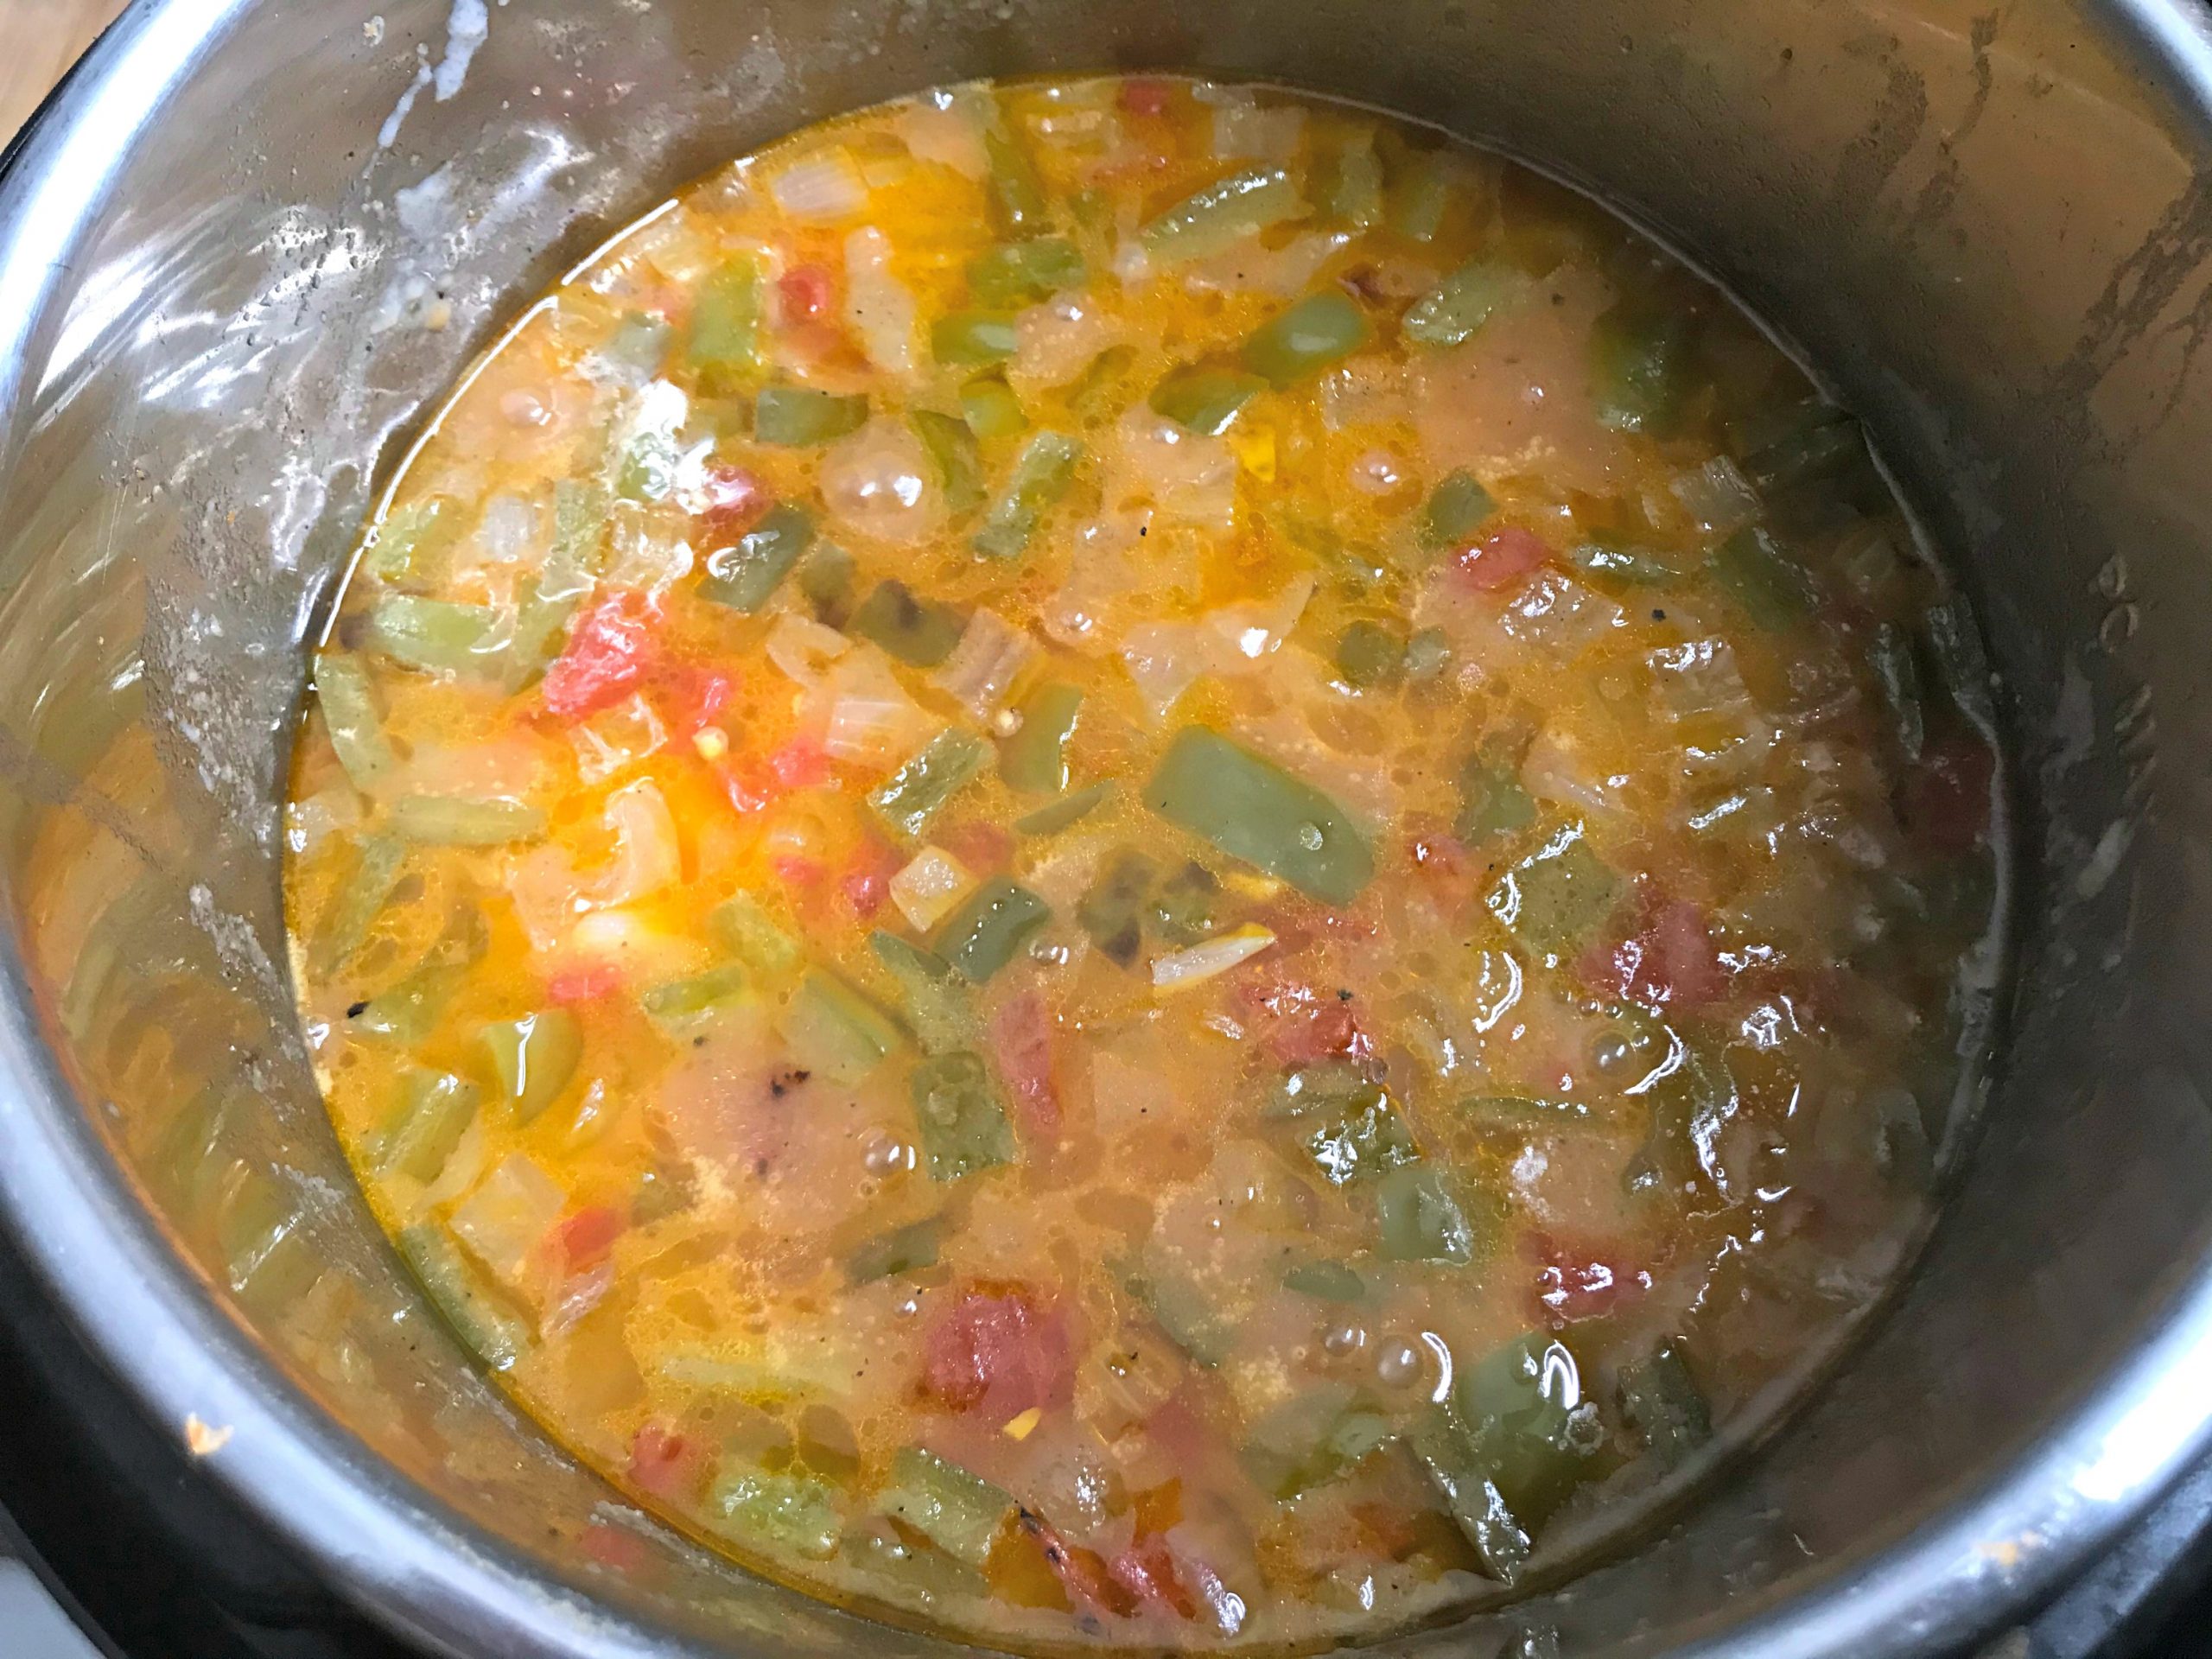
252, 242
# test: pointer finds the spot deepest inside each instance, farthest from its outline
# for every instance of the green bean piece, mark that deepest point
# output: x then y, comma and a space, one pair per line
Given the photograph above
910, 799
459, 821
1419, 196
1459, 306
1015, 274
963, 1127
1320, 1433
1325, 1281
1252, 810
1557, 897
1206, 400
783, 1512
1041, 475
1017, 193
802, 417
902, 1250
973, 339
1068, 810
1643, 364
1661, 1401
1478, 1508
918, 632
1354, 195
409, 1011
991, 924
1637, 565
437, 636
1491, 799
378, 864
723, 344
1370, 655
533, 1058
638, 347
1300, 343
938, 1006
744, 929
825, 581
1517, 1408
991, 410
418, 1134
1457, 508
549, 599
835, 1031
1428, 653
958, 1511
1190, 1318
746, 576
1419, 1216
680, 1006
1773, 588
411, 541
1099, 392
951, 449
1223, 214
473, 1310
1343, 1120
1034, 759
1112, 912
1822, 442
349, 715
1897, 673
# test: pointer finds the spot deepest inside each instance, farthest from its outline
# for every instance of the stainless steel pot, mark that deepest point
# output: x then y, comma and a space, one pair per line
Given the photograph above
247, 240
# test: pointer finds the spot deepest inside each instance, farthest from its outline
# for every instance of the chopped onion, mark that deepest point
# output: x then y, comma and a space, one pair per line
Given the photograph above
650, 553
502, 1222
1556, 611
880, 307
1103, 576
928, 888
578, 1295
648, 857
617, 738
1163, 658
1056, 342
1556, 770
984, 665
1367, 390
509, 533
872, 719
1244, 129
878, 482
1718, 496
822, 189
803, 648
1185, 474
1699, 676
947, 127
1215, 955
1287, 271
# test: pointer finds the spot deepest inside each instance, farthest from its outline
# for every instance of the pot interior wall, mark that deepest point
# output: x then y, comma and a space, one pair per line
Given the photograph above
1988, 231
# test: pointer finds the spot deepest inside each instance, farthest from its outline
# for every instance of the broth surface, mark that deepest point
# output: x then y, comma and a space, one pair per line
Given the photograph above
1117, 861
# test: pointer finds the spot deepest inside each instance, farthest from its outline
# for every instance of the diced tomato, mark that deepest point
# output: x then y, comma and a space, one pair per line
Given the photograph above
1141, 97
981, 846
1945, 802
585, 1238
795, 871
1578, 1280
736, 500
1083, 1573
999, 1351
689, 698
1498, 558
867, 880
807, 291
1021, 1042
615, 1546
756, 783
1671, 960
1300, 1024
608, 652
587, 983
800, 764
1147, 1570
666, 1465
1435, 851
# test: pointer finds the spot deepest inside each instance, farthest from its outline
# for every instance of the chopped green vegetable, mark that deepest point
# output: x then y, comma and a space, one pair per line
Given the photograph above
1069, 810
1370, 655
825, 579
1642, 365
1621, 561
476, 1313
678, 1005
1112, 912
547, 600
746, 576
458, 821
378, 864
1890, 655
784, 1511
1100, 391
928, 1578
991, 410
835, 1031
1041, 475
1419, 1216
1318, 1434
1689, 1103
1820, 443
533, 1058
1772, 587
1663, 1404
1420, 192
938, 1006
723, 347
1491, 799
1206, 400
1302, 341
1185, 906
1464, 302
918, 632
1034, 759
1428, 653
1015, 274
955, 1510
963, 1127
1223, 214
1190, 1317
1325, 1281
1353, 196
751, 935
434, 1110
951, 448
910, 799
990, 925
901, 1250
1520, 1409
1252, 810
349, 715
974, 339
1478, 1508
1017, 193
800, 418
1457, 507
409, 1011
411, 541
1558, 896
438, 636
1345, 1120
639, 346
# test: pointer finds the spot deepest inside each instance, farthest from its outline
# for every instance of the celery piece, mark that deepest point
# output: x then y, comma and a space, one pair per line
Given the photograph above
1300, 342
1419, 1216
938, 1007
533, 1058
484, 1327
1419, 194
434, 1109
1643, 364
783, 1512
1822, 442
1016, 191
1206, 400
1558, 896
958, 1511
1112, 910
409, 1011
1896, 670
835, 1031
753, 936
1068, 810
1459, 305
679, 1005
722, 346
910, 799
1491, 799
951, 448
1041, 475
548, 600
359, 899
801, 417
459, 821
991, 410
902, 1250
963, 1125
746, 575
990, 927
973, 339
918, 632
1370, 655
1223, 213
1661, 1401
1034, 759
1015, 274
1773, 588
1353, 195
410, 542
1457, 507
349, 715
1100, 391
437, 636
1325, 1281
1252, 810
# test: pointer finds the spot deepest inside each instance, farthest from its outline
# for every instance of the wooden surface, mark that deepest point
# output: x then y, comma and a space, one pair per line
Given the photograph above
39, 39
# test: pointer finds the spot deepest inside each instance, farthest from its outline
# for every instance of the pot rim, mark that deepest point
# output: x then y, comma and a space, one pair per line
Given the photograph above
1985, 1558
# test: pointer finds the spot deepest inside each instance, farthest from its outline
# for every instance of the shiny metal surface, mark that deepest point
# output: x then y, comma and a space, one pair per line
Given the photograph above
222, 252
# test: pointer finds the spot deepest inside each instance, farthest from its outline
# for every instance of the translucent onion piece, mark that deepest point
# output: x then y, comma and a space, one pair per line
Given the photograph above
984, 665
1558, 613
1203, 961
878, 305
803, 649
1718, 496
1057, 340
947, 127
617, 738
647, 857
1244, 129
928, 888
503, 1221
822, 189
871, 719
1163, 658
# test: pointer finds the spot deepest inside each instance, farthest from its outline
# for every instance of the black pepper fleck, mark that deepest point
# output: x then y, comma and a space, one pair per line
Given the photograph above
355, 1010
1658, 615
